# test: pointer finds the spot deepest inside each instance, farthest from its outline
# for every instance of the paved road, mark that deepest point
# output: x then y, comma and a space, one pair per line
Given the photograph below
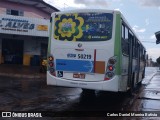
32, 94
149, 97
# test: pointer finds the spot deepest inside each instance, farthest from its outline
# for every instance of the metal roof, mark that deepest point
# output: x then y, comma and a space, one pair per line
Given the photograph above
39, 4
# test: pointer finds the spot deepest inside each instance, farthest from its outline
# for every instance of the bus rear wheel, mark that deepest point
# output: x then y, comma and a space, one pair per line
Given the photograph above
88, 92
131, 90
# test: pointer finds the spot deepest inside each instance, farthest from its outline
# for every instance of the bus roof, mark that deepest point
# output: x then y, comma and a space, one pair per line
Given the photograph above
85, 10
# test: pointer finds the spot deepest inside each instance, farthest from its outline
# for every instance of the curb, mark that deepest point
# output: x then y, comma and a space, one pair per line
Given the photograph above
22, 76
146, 80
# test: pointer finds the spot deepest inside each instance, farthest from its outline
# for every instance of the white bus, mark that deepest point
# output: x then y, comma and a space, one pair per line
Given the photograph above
94, 50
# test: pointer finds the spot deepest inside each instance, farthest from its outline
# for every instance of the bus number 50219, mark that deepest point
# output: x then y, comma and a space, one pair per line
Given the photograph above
84, 56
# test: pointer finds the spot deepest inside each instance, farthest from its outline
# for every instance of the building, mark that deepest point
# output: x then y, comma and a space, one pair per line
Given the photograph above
149, 63
24, 30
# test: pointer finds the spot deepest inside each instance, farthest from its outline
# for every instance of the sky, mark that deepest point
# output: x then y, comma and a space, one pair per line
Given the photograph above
142, 15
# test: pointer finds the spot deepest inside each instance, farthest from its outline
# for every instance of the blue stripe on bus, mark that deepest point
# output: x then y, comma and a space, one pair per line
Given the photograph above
74, 65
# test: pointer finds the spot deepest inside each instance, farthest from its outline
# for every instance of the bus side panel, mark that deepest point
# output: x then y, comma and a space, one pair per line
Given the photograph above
50, 37
134, 64
142, 66
117, 46
124, 80
135, 70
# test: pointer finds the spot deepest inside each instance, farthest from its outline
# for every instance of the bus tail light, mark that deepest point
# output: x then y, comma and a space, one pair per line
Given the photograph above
51, 66
110, 69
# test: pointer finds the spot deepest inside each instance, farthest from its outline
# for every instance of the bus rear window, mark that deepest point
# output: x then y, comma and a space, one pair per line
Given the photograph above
83, 27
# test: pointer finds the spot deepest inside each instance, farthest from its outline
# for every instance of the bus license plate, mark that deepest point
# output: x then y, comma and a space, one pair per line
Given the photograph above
81, 76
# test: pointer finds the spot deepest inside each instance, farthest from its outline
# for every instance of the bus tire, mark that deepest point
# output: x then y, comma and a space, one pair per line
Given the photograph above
131, 90
143, 74
140, 83
88, 92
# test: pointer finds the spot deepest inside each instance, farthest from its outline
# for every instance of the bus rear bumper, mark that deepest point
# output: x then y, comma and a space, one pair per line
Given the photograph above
110, 85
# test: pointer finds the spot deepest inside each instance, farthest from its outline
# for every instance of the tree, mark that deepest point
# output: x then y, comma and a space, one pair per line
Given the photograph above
158, 60
157, 34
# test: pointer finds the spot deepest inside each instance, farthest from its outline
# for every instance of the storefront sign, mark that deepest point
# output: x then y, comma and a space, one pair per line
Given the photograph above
24, 26
16, 25
42, 27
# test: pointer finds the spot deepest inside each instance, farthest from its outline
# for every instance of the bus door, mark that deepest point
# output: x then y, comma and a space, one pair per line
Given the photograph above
135, 60
130, 75
138, 62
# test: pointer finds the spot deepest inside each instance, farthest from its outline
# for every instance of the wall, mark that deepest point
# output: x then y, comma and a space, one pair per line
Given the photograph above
29, 11
32, 46
2, 10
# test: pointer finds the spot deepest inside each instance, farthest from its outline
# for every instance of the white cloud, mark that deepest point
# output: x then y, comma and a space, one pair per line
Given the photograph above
92, 3
153, 37
121, 4
154, 53
98, 3
117, 9
139, 30
80, 4
147, 21
150, 3
116, 0
141, 37
63, 5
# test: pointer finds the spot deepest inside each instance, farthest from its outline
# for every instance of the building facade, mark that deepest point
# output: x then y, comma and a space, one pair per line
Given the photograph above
24, 31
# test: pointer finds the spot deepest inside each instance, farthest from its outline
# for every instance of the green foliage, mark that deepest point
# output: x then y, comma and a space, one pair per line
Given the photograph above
158, 60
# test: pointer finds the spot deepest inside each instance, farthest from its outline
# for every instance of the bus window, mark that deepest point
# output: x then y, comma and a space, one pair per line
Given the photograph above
134, 48
137, 49
122, 31
131, 41
141, 52
83, 27
143, 55
126, 33
125, 42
